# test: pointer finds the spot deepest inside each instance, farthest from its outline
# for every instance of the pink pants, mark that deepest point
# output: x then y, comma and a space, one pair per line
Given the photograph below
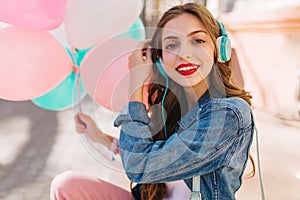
72, 185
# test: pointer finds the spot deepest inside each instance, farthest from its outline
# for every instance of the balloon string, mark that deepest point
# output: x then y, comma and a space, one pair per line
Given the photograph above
76, 71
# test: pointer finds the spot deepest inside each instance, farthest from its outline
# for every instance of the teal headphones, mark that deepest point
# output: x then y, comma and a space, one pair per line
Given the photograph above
223, 45
224, 54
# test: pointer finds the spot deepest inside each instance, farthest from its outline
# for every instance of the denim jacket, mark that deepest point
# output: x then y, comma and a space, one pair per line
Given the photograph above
213, 141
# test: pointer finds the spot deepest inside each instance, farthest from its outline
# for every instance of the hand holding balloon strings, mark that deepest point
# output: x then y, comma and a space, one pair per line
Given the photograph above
84, 123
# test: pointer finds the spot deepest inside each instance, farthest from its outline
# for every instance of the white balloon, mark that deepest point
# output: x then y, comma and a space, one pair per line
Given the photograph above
91, 22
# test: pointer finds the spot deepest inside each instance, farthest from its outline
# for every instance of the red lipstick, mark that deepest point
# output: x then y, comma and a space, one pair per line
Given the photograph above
186, 69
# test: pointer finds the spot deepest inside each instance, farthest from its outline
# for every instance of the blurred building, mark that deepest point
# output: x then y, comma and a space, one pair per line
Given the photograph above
266, 36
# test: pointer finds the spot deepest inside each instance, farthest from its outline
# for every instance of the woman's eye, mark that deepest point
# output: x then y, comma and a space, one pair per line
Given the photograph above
198, 41
171, 46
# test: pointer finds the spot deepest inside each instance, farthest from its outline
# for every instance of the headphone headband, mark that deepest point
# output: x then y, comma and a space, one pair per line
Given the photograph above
222, 27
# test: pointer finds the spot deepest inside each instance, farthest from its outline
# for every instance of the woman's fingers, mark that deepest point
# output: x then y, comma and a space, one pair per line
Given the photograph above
141, 56
142, 50
80, 129
82, 121
146, 51
148, 55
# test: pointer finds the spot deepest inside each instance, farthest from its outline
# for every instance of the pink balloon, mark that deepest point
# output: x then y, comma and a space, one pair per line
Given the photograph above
31, 63
33, 14
104, 72
112, 87
91, 22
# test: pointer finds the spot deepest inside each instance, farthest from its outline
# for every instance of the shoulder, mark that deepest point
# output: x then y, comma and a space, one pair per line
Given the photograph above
233, 106
235, 103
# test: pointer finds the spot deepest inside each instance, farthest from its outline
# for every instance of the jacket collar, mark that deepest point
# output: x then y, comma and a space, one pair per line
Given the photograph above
193, 114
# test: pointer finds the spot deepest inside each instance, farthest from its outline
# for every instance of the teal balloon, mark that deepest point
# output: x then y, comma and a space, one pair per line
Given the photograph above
65, 95
136, 31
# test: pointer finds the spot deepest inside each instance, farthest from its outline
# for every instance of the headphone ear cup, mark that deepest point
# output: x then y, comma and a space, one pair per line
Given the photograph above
223, 48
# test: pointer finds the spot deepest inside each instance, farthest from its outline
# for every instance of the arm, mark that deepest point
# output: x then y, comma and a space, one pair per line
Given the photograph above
207, 144
140, 68
85, 124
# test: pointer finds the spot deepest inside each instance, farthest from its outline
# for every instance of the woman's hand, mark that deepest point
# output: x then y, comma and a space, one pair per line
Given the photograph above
85, 124
140, 68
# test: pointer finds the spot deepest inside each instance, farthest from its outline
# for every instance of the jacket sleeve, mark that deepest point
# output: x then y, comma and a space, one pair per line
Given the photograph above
206, 144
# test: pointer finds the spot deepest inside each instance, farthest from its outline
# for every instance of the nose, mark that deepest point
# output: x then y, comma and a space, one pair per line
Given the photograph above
185, 51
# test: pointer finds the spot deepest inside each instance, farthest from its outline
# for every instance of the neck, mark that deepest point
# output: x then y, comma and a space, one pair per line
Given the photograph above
193, 94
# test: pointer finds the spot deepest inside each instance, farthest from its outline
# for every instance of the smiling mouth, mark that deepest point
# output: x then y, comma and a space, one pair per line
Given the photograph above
187, 69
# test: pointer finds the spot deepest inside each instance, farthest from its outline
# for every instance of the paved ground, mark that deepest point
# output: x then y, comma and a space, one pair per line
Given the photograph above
37, 144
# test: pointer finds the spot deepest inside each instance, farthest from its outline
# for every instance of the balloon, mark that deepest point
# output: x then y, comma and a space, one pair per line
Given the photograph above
91, 22
103, 69
62, 97
32, 63
136, 31
33, 14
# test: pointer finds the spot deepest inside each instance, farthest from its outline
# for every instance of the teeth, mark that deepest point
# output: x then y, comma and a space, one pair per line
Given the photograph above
187, 68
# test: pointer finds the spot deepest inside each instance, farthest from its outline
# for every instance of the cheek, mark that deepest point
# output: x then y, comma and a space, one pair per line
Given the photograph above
208, 62
169, 59
208, 59
206, 56
206, 53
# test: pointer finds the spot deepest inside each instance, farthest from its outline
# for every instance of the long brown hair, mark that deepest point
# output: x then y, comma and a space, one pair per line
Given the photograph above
220, 78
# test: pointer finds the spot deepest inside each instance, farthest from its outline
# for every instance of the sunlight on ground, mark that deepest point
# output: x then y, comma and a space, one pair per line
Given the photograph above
17, 129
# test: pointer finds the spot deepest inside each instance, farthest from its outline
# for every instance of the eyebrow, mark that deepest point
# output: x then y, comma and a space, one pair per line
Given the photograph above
190, 34
170, 37
195, 32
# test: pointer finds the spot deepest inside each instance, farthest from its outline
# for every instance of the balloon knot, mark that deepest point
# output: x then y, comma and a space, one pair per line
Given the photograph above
75, 69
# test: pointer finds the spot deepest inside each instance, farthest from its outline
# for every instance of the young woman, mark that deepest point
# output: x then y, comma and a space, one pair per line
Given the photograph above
197, 121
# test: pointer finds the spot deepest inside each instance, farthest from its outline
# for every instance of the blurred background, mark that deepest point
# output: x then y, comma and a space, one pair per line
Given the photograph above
37, 136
